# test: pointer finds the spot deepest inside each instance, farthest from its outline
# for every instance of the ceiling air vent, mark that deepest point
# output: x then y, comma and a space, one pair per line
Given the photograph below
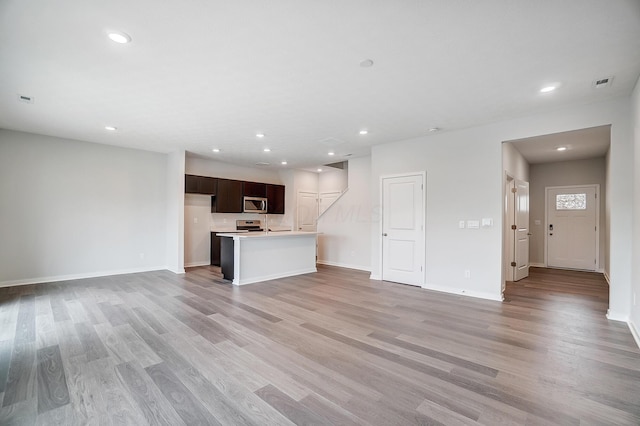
25, 98
601, 83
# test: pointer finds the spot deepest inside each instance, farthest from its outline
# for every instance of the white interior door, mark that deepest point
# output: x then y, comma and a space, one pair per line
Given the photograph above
521, 237
572, 228
307, 207
403, 229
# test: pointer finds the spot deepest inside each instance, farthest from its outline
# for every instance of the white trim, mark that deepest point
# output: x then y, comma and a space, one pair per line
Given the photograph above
546, 218
201, 263
71, 277
538, 265
376, 277
423, 174
464, 292
273, 276
634, 333
343, 265
606, 277
616, 316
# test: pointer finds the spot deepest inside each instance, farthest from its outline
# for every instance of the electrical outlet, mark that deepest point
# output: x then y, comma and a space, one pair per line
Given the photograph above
467, 273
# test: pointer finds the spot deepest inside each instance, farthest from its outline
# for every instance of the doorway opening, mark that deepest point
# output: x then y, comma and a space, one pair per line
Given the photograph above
576, 164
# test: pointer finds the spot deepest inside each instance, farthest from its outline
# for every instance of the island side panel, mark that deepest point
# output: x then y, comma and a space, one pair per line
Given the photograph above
265, 259
227, 257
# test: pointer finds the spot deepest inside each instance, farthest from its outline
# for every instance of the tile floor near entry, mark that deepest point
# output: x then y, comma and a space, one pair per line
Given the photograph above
327, 348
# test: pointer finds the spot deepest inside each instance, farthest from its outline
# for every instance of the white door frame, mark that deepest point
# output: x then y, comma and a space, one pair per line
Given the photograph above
546, 218
424, 218
507, 236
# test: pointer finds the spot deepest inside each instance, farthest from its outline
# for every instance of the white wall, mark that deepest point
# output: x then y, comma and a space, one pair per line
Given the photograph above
175, 211
635, 277
513, 163
563, 173
71, 209
345, 240
464, 181
333, 180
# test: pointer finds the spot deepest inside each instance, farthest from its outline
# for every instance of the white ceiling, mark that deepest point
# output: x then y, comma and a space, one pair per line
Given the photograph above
580, 145
209, 74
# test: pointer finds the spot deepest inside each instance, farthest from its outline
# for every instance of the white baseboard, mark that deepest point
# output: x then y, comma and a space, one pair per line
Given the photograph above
194, 264
538, 265
606, 277
634, 332
375, 277
617, 316
177, 271
343, 265
70, 277
465, 292
243, 281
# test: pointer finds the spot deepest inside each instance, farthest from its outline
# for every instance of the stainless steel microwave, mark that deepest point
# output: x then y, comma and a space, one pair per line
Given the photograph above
254, 205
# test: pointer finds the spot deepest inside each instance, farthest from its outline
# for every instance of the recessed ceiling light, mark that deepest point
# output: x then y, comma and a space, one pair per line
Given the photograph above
364, 132
434, 129
367, 63
319, 170
215, 150
110, 128
267, 150
549, 89
561, 148
284, 163
259, 135
331, 153
120, 37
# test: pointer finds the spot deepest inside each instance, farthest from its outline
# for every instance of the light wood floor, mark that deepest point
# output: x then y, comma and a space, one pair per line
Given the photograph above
327, 348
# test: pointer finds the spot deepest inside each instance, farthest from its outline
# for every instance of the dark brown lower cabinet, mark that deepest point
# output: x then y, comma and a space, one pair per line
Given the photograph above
226, 257
215, 249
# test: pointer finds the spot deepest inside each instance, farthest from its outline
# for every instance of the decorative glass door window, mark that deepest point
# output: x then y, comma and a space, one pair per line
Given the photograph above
571, 202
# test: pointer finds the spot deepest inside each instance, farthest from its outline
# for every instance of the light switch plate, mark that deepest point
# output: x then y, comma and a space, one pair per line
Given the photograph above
461, 224
487, 222
473, 224
537, 222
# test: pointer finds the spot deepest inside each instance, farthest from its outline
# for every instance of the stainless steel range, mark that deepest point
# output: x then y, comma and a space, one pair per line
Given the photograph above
249, 225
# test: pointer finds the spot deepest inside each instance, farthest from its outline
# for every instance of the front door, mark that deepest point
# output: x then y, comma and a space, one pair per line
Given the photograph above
572, 228
403, 243
521, 221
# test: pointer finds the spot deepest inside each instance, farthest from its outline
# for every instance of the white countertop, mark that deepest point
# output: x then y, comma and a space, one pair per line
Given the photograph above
271, 234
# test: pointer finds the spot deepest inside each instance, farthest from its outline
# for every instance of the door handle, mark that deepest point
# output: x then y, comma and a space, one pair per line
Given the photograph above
529, 233
384, 234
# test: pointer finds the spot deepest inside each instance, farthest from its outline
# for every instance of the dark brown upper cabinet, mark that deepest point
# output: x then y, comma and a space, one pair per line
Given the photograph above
228, 197
275, 199
254, 189
199, 185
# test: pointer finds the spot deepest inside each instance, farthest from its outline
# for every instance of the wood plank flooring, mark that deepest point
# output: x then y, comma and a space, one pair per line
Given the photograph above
327, 348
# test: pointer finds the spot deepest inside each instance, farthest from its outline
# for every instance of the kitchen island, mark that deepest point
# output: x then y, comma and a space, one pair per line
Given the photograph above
253, 257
